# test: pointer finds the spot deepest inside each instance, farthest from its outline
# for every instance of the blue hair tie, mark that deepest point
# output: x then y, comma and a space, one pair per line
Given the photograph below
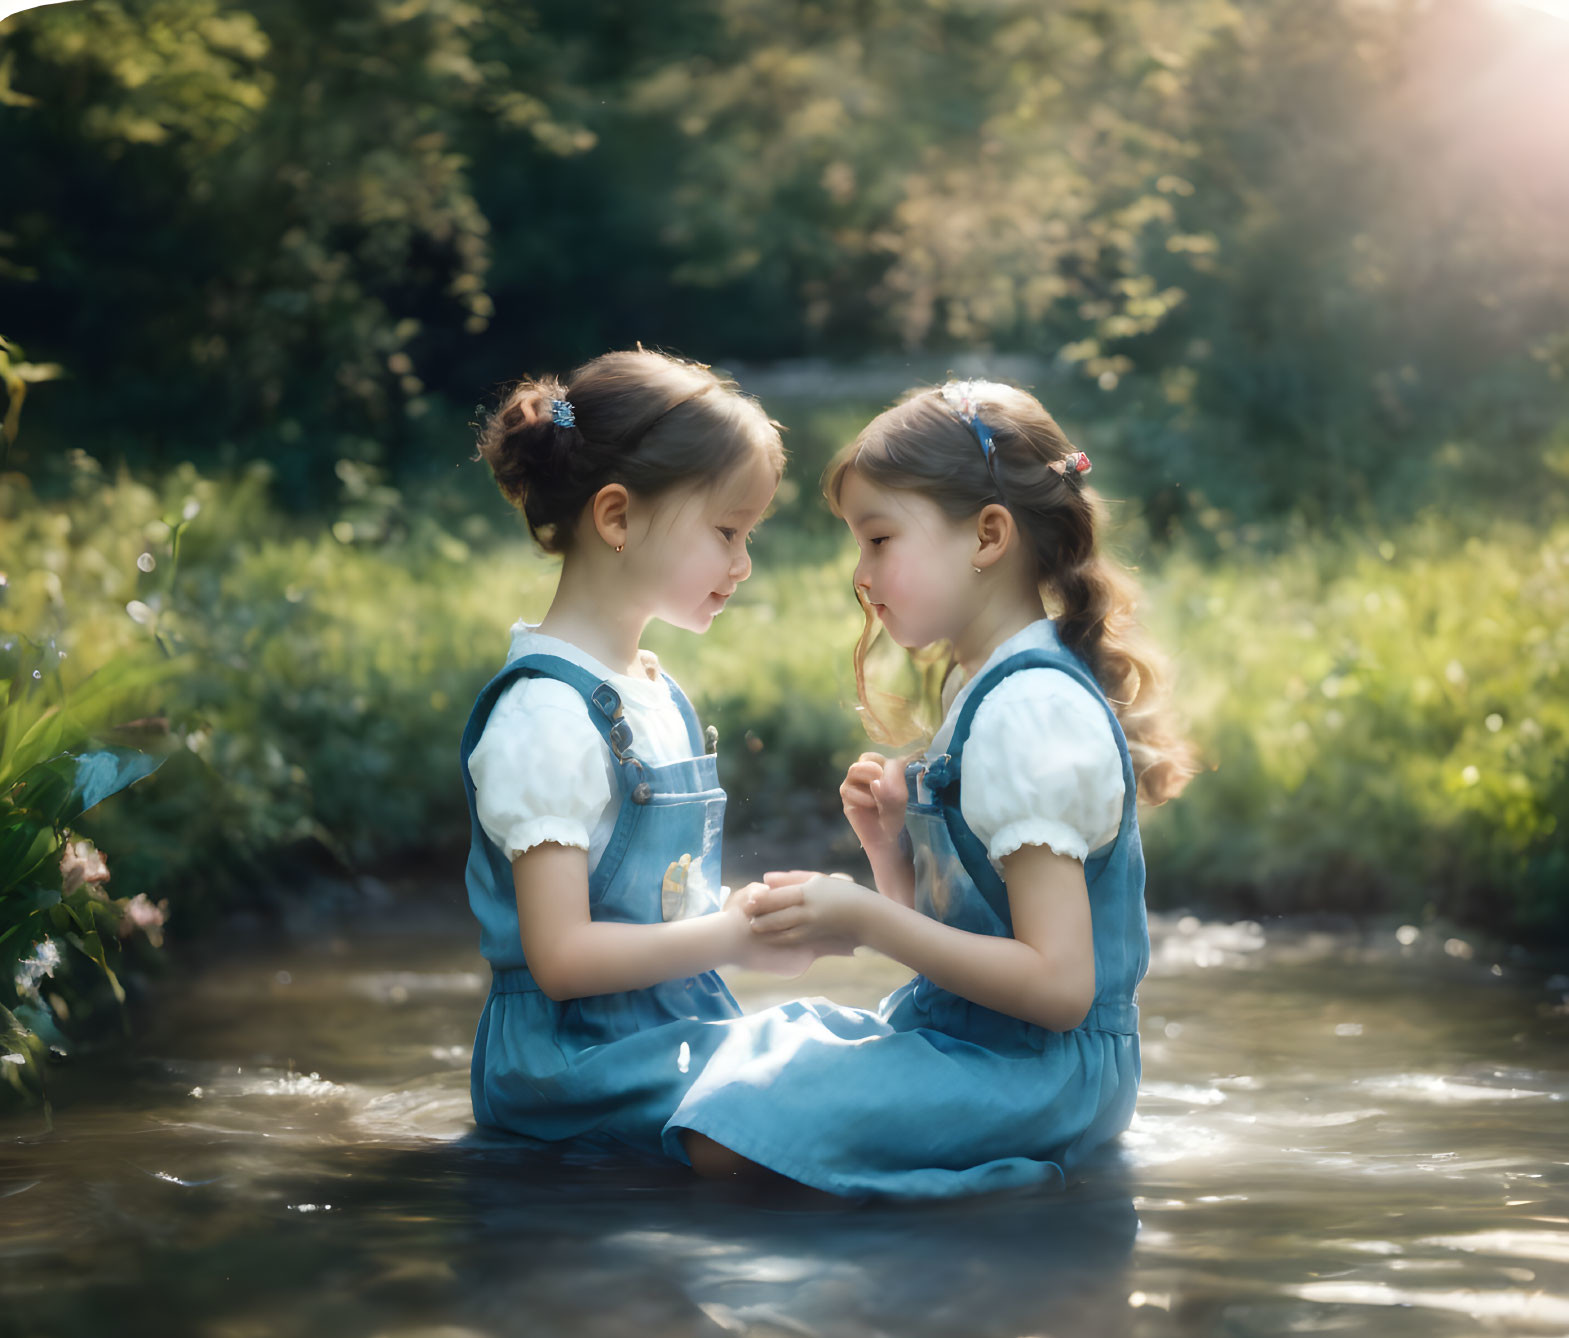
960, 397
561, 413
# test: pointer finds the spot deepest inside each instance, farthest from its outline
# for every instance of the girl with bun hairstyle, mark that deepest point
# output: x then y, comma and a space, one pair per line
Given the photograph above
1006, 856
593, 797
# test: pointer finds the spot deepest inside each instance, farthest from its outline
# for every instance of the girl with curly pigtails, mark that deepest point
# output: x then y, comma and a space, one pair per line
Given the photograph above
1008, 870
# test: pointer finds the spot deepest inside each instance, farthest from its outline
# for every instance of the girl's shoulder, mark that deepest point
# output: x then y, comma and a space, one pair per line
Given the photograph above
546, 715
1037, 701
1039, 690
532, 695
1041, 750
542, 717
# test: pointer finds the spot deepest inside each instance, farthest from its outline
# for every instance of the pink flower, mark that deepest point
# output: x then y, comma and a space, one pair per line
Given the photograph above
139, 913
81, 862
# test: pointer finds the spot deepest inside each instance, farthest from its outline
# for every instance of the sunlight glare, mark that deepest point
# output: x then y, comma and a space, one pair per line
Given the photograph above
1559, 9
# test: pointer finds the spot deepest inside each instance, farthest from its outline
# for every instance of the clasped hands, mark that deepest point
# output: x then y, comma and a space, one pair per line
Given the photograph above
797, 916
800, 906
831, 912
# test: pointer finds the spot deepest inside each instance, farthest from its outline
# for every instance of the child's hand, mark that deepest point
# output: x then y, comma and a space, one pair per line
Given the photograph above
777, 959
874, 797
803, 907
761, 954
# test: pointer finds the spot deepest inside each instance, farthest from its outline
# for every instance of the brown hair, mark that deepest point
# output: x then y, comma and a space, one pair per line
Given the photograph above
643, 419
921, 445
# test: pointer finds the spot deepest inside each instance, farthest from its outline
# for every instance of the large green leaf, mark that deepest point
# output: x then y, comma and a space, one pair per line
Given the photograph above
63, 788
40, 1021
54, 794
41, 717
25, 843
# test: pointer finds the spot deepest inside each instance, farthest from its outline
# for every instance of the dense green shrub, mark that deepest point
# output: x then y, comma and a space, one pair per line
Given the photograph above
1385, 714
60, 929
1387, 717
322, 683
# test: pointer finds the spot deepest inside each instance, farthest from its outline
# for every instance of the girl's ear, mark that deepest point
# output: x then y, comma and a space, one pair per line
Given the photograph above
609, 509
994, 532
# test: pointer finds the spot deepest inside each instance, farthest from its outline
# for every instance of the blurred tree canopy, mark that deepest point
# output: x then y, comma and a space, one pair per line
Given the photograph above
1310, 254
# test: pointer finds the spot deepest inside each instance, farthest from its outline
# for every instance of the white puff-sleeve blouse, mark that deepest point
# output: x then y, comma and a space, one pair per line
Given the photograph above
1041, 767
541, 769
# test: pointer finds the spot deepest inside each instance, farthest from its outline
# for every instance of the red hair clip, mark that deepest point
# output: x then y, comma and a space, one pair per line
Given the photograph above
1074, 464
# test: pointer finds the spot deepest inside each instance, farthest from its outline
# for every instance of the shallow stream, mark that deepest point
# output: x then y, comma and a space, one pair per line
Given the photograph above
1337, 1133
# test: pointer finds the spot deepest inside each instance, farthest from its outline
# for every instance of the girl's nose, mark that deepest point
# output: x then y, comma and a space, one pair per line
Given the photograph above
741, 568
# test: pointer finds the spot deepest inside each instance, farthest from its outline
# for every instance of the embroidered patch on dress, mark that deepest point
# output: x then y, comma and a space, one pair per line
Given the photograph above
672, 892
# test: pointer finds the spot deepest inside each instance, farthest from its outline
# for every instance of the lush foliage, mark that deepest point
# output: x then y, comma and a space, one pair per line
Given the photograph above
322, 682
52, 772
51, 886
1384, 713
1387, 717
1294, 247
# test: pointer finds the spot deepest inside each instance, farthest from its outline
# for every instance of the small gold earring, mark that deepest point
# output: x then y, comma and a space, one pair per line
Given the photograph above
619, 547
976, 570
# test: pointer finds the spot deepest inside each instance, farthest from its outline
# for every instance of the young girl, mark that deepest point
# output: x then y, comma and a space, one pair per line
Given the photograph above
1007, 860
594, 803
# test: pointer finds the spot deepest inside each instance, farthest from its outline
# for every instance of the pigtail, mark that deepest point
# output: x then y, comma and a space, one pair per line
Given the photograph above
1098, 600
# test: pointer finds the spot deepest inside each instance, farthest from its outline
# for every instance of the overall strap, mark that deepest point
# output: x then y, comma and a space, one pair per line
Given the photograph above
694, 728
942, 773
602, 700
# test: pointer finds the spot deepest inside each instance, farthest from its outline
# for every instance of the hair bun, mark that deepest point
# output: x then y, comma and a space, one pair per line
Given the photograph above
522, 443
530, 424
646, 421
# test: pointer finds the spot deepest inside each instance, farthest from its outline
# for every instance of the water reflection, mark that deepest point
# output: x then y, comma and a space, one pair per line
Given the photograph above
1336, 1133
662, 1252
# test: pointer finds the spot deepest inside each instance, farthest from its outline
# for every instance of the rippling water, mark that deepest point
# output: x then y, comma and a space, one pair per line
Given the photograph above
1336, 1134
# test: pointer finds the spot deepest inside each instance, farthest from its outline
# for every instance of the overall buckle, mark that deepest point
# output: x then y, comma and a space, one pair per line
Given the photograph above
940, 773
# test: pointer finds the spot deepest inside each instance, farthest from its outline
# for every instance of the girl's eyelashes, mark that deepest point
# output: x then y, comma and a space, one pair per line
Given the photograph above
880, 539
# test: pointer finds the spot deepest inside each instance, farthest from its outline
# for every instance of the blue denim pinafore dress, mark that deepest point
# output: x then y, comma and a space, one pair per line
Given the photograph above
935, 1096
608, 1068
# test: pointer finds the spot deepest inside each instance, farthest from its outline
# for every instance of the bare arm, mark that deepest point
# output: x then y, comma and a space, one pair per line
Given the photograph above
1045, 974
893, 873
572, 956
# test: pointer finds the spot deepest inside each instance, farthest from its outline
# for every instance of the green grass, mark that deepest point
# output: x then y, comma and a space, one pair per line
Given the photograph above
1388, 722
1385, 715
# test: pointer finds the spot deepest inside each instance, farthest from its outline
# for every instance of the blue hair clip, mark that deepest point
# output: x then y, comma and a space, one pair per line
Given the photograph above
984, 433
561, 413
960, 397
